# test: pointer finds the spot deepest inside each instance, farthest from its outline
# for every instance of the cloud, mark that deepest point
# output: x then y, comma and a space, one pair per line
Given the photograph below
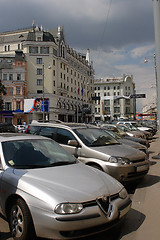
142, 50
119, 34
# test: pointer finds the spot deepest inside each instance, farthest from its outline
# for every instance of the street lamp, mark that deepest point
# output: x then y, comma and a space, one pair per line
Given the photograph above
49, 67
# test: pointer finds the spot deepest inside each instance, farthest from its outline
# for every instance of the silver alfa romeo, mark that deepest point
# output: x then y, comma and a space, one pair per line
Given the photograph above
46, 192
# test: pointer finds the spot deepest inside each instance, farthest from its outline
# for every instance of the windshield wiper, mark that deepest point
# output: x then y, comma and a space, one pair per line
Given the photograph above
61, 163
29, 166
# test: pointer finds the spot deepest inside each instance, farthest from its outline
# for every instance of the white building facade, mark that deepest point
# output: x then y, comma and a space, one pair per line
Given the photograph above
114, 98
56, 74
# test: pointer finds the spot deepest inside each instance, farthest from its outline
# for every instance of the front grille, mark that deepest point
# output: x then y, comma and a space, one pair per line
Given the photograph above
136, 174
94, 202
104, 204
138, 161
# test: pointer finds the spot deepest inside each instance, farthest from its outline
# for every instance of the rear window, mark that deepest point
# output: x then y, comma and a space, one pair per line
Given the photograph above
33, 129
49, 132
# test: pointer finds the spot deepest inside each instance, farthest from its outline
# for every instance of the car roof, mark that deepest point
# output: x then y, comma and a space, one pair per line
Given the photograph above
63, 124
18, 136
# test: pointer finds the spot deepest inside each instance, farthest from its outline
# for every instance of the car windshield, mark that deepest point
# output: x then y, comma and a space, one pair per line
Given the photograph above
37, 153
113, 134
95, 137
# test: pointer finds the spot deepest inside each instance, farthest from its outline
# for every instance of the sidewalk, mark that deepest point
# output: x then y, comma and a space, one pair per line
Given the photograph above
143, 221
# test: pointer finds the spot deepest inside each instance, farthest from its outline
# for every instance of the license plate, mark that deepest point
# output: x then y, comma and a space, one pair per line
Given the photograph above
142, 168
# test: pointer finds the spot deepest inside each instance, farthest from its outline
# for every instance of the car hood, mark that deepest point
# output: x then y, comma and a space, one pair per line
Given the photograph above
132, 143
72, 183
121, 150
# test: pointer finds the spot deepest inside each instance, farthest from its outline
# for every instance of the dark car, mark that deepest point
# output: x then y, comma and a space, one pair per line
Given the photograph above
7, 127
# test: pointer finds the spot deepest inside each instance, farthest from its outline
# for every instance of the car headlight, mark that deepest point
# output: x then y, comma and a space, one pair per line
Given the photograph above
123, 193
68, 208
120, 160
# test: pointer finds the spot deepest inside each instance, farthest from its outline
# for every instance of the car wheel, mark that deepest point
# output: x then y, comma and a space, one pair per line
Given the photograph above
20, 221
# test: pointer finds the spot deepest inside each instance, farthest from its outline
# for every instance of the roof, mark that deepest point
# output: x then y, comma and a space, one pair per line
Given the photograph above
67, 124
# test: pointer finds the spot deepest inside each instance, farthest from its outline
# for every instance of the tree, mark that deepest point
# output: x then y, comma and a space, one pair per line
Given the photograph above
2, 92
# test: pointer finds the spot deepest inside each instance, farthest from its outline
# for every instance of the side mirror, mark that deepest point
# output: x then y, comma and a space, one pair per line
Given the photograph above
73, 143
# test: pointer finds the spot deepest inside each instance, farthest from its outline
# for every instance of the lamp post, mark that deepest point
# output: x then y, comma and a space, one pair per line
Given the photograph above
49, 67
43, 93
156, 14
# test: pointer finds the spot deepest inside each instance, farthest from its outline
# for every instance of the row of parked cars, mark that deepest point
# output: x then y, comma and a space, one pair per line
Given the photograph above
66, 180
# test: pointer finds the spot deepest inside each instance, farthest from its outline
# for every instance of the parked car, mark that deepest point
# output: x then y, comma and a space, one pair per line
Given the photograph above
21, 128
7, 127
135, 127
128, 142
132, 131
94, 147
46, 192
118, 129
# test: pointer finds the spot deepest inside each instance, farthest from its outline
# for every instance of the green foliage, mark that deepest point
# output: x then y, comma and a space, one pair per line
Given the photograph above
2, 92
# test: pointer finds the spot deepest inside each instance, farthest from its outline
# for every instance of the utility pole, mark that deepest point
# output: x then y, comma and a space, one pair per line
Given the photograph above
43, 93
156, 13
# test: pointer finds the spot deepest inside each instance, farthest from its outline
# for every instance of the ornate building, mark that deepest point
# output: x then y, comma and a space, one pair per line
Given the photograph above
56, 74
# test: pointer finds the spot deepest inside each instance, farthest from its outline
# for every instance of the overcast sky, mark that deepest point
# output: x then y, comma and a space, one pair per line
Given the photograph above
119, 34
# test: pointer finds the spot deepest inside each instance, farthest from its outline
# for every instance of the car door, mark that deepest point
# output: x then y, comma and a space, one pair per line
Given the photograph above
62, 137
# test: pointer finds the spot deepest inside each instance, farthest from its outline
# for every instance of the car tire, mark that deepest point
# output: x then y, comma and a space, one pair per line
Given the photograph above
20, 221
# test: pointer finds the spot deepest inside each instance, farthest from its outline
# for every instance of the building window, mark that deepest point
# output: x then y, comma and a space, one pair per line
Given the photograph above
44, 50
116, 101
18, 90
39, 91
55, 52
39, 39
18, 76
107, 110
39, 71
4, 76
127, 101
107, 102
19, 46
39, 60
39, 82
5, 48
127, 110
117, 109
8, 106
54, 62
18, 105
8, 47
10, 91
33, 50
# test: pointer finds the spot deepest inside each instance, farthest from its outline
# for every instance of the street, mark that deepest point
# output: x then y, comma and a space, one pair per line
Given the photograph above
142, 222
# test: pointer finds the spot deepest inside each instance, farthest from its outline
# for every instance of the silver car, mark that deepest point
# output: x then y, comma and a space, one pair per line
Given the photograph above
128, 142
46, 192
94, 147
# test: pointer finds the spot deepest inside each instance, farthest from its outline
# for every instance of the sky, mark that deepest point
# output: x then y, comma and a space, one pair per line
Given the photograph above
119, 34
